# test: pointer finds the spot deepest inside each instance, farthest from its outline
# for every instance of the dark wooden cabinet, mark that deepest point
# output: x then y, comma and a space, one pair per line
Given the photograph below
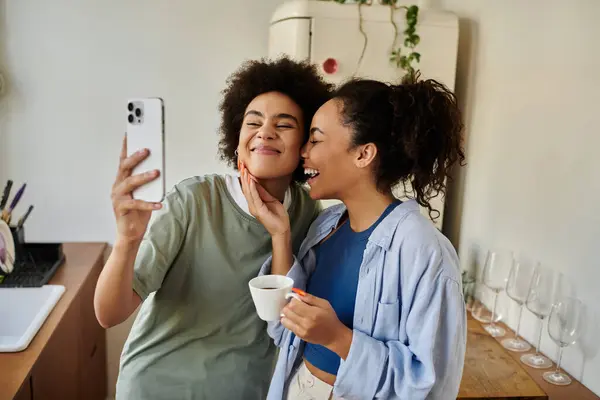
92, 337
67, 358
25, 392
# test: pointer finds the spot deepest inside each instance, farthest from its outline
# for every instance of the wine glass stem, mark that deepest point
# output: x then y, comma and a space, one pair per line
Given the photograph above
519, 322
560, 351
539, 341
492, 322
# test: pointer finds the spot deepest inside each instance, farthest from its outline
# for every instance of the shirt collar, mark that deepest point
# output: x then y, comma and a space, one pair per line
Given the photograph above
384, 233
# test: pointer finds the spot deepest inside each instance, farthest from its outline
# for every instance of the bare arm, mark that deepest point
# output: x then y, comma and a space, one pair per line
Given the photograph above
282, 254
114, 299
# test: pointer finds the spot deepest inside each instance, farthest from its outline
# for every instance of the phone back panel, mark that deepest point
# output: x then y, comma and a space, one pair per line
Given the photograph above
145, 129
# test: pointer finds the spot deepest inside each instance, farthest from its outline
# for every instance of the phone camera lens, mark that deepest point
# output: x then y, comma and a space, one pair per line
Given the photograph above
130, 118
130, 106
138, 112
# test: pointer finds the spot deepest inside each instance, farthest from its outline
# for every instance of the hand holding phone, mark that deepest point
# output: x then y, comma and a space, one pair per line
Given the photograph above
139, 186
132, 215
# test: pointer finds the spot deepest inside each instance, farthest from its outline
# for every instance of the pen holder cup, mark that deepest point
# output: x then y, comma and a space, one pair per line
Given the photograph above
19, 238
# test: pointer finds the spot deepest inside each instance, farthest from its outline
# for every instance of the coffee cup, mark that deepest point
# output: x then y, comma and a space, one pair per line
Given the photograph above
270, 294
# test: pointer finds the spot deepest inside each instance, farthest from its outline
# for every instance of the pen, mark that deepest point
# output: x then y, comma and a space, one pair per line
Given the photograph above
6, 212
24, 217
5, 194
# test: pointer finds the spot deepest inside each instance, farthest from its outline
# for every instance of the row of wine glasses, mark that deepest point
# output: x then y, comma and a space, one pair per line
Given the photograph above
545, 293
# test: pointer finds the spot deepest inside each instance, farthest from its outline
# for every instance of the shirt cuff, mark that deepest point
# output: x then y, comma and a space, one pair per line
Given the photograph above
139, 287
366, 354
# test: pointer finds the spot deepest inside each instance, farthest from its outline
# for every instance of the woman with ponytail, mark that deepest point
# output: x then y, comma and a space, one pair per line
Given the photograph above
379, 312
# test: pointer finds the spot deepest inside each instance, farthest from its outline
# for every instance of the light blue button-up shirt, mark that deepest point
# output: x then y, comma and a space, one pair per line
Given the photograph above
410, 327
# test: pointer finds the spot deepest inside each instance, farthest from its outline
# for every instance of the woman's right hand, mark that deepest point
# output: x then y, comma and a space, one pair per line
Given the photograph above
132, 216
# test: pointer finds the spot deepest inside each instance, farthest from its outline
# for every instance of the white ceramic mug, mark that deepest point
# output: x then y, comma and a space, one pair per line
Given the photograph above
270, 294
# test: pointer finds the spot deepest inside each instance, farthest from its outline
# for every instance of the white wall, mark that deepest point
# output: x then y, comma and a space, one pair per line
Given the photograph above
529, 83
72, 64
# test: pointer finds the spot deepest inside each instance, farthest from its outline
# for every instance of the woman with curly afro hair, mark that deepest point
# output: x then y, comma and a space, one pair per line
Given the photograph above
188, 260
379, 312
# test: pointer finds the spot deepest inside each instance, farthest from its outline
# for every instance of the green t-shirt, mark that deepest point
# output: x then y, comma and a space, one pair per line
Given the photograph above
197, 335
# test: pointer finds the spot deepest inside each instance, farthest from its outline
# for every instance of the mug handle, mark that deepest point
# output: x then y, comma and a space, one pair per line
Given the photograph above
294, 295
289, 296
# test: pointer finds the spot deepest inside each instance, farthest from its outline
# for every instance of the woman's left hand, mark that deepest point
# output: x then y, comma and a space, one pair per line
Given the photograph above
262, 205
315, 321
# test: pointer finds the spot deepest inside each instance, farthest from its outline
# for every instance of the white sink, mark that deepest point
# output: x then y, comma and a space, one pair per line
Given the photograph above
22, 313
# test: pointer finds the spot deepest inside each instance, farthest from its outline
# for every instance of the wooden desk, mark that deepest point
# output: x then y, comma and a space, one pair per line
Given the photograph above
492, 372
67, 357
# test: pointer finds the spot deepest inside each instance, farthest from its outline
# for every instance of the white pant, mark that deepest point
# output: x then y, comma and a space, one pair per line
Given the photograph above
305, 386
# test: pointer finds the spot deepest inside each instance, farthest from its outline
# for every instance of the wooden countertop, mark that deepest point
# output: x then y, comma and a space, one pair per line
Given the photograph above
80, 260
575, 391
492, 372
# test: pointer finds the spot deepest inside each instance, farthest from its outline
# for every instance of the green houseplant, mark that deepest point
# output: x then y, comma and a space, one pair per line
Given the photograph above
405, 57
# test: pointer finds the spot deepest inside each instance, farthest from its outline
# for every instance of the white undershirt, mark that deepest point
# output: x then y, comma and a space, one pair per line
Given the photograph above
235, 189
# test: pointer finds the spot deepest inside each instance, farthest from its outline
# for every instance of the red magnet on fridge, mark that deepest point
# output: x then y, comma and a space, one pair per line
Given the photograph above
330, 66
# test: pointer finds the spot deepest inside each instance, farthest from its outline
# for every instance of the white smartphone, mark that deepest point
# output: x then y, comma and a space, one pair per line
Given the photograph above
146, 130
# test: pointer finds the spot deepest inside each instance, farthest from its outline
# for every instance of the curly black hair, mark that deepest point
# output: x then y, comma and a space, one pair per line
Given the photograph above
416, 127
299, 80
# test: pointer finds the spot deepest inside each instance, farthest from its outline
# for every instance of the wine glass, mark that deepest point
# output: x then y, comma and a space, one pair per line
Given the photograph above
564, 327
495, 274
517, 288
479, 310
539, 302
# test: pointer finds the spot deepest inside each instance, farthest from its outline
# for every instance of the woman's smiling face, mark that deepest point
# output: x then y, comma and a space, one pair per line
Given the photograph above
271, 136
